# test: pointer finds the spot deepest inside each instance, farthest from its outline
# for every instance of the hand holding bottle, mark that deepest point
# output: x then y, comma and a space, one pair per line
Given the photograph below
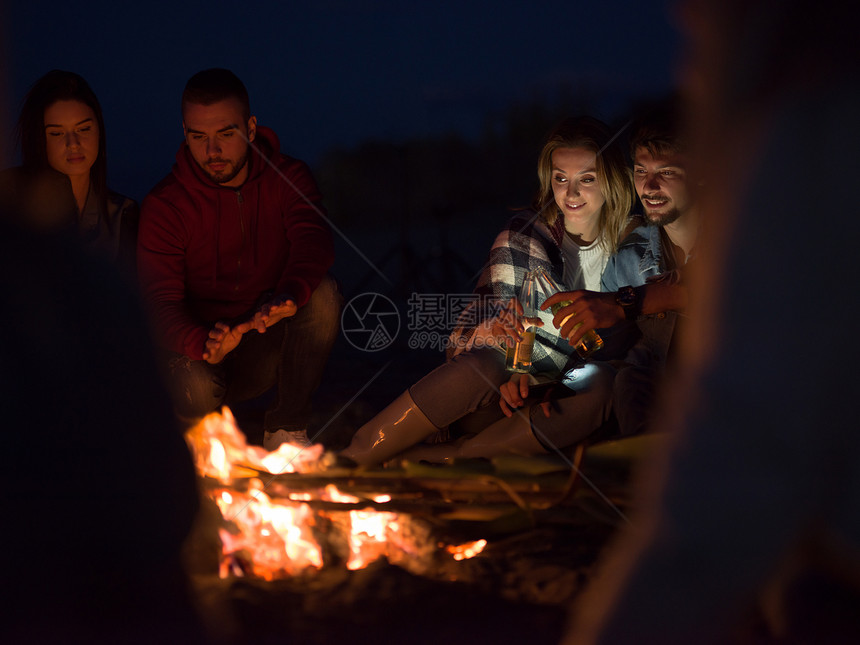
584, 339
518, 355
507, 327
578, 312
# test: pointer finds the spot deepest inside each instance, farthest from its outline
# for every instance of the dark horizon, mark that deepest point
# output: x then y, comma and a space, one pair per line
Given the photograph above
338, 75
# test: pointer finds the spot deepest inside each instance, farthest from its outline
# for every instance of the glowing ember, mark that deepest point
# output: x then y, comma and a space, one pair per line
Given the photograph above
273, 537
370, 533
334, 495
468, 550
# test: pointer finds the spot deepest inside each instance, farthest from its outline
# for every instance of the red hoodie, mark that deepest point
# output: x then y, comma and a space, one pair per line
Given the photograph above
208, 253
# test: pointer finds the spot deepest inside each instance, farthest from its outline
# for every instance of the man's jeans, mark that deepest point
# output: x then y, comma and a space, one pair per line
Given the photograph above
290, 355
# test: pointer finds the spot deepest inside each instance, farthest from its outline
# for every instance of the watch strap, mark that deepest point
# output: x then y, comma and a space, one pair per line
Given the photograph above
630, 301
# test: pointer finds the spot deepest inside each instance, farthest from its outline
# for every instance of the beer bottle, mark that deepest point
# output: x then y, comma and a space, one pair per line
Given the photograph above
518, 357
591, 341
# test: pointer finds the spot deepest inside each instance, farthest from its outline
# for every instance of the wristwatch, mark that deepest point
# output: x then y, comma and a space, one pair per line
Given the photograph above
628, 298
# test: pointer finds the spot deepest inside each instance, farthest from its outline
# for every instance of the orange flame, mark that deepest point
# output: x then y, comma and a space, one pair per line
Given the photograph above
273, 536
222, 452
268, 537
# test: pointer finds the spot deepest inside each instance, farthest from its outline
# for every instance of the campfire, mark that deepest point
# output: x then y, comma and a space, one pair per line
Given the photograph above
281, 516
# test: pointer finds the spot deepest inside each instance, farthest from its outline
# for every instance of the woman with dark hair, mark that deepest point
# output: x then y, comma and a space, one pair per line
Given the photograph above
581, 209
61, 128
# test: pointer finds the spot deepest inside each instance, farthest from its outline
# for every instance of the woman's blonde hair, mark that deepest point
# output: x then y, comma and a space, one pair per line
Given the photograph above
613, 175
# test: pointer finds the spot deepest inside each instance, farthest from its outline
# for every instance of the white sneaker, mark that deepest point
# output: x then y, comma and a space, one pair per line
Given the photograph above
271, 440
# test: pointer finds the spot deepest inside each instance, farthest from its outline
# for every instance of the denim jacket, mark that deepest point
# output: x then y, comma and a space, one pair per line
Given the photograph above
641, 256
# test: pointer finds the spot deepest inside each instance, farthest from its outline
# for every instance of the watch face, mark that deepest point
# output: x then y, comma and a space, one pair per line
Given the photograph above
626, 297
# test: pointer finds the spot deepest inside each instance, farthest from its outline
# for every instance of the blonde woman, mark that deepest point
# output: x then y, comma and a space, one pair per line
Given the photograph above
582, 207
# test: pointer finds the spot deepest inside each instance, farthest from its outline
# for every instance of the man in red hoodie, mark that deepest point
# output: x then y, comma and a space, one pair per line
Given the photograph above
233, 256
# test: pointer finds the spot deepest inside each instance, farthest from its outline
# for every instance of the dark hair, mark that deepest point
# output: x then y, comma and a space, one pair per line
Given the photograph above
54, 86
659, 129
213, 85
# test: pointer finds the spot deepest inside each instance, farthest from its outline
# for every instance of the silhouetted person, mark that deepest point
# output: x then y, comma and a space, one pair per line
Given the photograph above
752, 533
97, 484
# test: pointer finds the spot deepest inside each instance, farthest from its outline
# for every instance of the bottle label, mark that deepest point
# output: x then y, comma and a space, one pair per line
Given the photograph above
518, 357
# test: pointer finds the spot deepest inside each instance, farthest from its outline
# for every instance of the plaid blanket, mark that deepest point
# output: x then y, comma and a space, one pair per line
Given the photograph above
525, 244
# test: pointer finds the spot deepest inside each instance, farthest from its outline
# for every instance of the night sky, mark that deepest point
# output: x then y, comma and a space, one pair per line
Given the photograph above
337, 73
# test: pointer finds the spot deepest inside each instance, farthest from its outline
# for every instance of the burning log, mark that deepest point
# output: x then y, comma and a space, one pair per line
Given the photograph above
310, 550
285, 513
289, 524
